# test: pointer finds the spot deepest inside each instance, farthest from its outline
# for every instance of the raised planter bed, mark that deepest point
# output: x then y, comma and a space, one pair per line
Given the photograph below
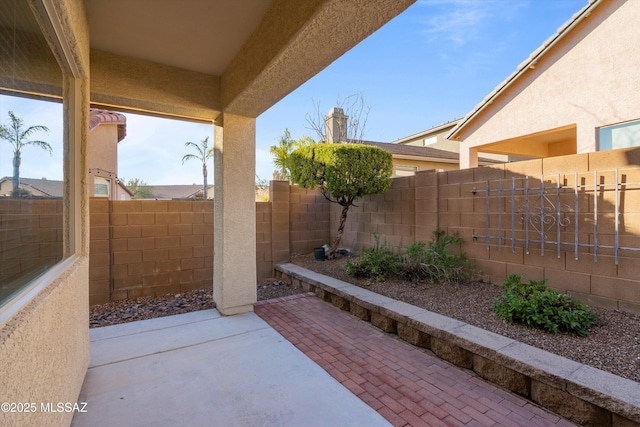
583, 394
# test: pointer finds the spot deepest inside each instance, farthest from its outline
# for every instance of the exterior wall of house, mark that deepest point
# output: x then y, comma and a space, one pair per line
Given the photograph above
44, 339
103, 156
587, 79
422, 165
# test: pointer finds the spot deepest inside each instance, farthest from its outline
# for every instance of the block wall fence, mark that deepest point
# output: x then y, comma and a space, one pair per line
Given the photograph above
31, 239
141, 248
154, 247
416, 206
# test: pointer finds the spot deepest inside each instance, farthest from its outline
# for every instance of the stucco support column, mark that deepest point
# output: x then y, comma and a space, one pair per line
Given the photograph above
234, 257
468, 158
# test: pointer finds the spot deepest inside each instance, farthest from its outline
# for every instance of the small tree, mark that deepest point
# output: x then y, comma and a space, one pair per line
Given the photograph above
283, 150
342, 173
18, 136
204, 153
139, 188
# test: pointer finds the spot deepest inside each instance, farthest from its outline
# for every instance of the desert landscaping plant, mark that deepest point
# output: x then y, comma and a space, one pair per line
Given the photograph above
436, 261
343, 173
378, 262
534, 305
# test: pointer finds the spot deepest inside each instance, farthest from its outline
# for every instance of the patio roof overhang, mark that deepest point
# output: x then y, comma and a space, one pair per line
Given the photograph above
195, 59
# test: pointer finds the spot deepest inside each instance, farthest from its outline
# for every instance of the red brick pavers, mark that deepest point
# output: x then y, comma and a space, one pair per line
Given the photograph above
408, 386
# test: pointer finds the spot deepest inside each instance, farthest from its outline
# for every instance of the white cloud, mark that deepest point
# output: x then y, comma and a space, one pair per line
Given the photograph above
462, 21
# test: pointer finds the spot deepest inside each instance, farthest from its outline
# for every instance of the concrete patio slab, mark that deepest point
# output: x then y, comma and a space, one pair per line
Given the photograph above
208, 370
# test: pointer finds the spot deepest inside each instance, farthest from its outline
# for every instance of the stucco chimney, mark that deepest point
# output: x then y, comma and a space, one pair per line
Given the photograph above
336, 125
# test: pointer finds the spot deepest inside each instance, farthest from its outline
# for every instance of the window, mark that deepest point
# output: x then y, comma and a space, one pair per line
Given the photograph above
429, 141
405, 170
31, 222
101, 187
622, 135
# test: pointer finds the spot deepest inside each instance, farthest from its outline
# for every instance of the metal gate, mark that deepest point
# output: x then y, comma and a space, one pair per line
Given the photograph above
541, 213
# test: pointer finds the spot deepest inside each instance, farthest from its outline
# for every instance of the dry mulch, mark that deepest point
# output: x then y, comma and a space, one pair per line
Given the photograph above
613, 345
129, 310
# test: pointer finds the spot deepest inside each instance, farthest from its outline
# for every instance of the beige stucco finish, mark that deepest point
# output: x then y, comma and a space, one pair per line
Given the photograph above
45, 348
234, 260
44, 344
586, 80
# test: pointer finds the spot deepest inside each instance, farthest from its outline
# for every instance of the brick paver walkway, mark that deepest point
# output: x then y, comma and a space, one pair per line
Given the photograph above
408, 386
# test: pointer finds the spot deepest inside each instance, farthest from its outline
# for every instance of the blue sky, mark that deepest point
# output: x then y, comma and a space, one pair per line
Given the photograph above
431, 64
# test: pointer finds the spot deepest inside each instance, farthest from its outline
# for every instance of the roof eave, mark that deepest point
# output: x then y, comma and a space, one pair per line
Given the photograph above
523, 67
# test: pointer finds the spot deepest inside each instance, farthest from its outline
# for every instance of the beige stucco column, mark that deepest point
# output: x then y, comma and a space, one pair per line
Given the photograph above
468, 158
234, 249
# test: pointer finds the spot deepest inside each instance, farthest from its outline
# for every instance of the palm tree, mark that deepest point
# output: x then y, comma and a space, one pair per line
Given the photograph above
283, 150
204, 154
17, 136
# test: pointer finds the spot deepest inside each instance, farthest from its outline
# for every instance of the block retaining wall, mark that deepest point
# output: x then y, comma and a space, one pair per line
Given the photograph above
580, 393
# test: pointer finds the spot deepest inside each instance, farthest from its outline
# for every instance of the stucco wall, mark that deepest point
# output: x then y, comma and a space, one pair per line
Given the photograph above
589, 78
44, 348
44, 340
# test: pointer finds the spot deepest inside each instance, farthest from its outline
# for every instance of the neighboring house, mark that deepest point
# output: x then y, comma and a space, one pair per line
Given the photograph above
106, 130
45, 188
436, 137
577, 93
407, 158
169, 192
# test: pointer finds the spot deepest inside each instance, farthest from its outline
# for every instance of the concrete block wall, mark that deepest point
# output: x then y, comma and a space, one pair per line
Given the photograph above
415, 206
389, 216
149, 247
31, 238
309, 220
154, 247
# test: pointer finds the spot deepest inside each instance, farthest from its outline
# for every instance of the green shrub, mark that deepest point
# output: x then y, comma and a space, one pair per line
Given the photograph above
435, 262
378, 262
536, 306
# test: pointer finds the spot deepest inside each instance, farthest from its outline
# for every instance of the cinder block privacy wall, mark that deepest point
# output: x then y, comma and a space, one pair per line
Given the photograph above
155, 247
458, 201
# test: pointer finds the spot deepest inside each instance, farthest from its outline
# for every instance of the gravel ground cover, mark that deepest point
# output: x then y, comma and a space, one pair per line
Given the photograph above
129, 310
613, 345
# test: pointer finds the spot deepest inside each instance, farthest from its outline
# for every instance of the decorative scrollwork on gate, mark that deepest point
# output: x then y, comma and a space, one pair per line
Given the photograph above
544, 215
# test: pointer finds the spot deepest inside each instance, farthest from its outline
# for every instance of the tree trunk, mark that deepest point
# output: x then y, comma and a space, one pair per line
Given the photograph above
16, 171
343, 220
204, 174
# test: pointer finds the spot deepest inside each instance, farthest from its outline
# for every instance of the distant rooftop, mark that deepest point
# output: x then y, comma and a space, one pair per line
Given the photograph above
49, 187
168, 192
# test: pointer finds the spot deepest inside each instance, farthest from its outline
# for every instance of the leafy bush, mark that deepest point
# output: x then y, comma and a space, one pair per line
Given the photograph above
378, 262
536, 306
435, 262
343, 173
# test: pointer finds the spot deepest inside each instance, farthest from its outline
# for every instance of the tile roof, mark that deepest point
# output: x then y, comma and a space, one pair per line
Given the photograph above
98, 117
